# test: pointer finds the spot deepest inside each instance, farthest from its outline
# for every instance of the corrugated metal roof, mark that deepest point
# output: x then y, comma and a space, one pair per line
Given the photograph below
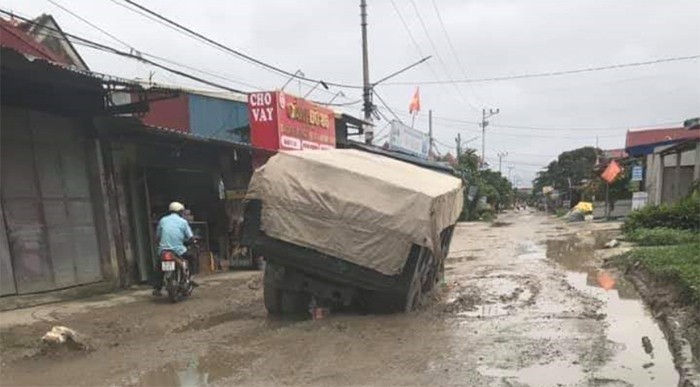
655, 136
403, 157
193, 136
205, 93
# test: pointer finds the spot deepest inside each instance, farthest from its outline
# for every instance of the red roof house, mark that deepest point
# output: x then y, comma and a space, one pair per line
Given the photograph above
643, 142
13, 37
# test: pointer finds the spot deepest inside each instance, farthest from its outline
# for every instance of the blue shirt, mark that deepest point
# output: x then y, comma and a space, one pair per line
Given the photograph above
172, 233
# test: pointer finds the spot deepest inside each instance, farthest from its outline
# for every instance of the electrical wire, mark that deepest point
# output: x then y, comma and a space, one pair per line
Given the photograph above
551, 73
65, 9
135, 50
543, 128
462, 68
415, 42
385, 105
98, 46
437, 54
237, 53
179, 31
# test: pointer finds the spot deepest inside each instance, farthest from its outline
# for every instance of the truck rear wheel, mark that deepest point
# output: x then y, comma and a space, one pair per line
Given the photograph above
293, 302
272, 297
414, 294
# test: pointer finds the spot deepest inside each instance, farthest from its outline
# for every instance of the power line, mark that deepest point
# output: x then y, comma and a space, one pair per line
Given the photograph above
65, 9
232, 51
452, 47
414, 41
127, 45
179, 31
385, 105
551, 73
437, 53
98, 46
549, 128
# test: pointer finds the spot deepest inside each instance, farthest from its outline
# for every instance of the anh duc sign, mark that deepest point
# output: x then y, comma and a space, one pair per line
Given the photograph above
405, 139
281, 121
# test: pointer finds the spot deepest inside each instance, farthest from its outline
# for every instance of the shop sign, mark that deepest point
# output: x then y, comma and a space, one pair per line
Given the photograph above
639, 200
637, 172
282, 121
405, 139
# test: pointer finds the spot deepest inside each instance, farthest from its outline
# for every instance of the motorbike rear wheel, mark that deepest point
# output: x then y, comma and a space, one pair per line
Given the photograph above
172, 285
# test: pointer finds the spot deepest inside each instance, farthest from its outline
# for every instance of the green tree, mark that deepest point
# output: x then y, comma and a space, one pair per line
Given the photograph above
576, 166
501, 185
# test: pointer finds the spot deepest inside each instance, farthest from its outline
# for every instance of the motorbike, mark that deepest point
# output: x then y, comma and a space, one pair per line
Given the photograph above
176, 276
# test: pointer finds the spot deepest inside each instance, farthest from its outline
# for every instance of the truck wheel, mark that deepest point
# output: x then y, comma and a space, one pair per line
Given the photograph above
272, 297
293, 302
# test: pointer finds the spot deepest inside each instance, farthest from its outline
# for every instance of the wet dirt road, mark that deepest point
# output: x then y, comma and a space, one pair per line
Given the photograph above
524, 304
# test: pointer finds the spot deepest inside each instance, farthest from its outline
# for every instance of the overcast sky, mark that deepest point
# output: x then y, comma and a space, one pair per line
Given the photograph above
491, 38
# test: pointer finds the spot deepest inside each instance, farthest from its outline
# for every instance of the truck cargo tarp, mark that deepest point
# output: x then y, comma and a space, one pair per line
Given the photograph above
360, 207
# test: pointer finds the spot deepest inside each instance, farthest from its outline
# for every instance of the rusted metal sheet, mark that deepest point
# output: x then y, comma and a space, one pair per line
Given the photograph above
48, 208
7, 278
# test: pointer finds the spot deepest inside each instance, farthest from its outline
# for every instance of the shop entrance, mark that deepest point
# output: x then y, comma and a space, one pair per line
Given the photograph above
199, 192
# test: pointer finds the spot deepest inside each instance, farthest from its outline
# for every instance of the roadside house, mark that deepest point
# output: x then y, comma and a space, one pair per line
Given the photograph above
669, 160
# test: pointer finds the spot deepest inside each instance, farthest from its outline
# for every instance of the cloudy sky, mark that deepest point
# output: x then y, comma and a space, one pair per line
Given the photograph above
539, 117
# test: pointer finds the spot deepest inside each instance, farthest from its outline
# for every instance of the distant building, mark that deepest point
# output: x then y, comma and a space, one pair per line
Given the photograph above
615, 154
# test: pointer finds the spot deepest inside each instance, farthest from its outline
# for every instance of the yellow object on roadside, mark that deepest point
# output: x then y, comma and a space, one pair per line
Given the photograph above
584, 207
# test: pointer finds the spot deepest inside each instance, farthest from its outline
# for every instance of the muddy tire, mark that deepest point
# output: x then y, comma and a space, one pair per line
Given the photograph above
171, 286
293, 302
272, 298
414, 295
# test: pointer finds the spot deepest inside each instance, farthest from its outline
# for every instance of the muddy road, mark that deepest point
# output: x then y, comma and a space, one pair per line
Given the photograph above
524, 304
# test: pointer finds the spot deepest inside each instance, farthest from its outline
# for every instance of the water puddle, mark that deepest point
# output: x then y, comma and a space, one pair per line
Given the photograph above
197, 372
642, 356
485, 311
540, 375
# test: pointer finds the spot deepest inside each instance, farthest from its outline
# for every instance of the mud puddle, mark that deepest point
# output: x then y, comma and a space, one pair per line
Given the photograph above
641, 356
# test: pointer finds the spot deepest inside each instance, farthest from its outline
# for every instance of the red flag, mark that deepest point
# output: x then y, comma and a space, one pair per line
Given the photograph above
611, 172
414, 106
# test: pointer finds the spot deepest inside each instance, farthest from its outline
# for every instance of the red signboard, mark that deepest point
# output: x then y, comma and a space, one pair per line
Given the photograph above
281, 121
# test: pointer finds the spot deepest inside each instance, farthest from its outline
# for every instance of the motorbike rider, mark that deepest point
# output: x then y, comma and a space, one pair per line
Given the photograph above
173, 234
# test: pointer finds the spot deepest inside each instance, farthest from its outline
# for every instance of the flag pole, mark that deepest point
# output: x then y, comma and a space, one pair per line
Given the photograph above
607, 201
413, 120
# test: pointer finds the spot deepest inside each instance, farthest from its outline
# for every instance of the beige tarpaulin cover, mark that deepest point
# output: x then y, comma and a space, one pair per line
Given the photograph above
357, 206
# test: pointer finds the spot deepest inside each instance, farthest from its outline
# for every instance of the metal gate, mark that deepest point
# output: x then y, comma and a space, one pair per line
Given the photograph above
47, 202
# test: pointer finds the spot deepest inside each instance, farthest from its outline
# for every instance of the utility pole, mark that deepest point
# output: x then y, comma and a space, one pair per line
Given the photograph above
430, 132
458, 140
510, 170
501, 156
484, 123
366, 87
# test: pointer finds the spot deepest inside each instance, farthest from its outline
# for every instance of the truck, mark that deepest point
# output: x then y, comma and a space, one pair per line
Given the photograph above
343, 227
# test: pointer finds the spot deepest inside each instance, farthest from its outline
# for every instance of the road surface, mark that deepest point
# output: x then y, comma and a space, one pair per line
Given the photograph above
524, 304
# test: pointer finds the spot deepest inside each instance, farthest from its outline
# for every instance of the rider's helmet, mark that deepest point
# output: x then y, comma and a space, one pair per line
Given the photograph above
176, 207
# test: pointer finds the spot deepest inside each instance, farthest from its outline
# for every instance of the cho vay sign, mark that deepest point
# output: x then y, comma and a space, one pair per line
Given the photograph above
281, 121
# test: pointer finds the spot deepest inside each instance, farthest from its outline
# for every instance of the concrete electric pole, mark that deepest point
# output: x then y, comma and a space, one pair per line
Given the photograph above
366, 86
484, 123
501, 156
430, 133
510, 173
458, 140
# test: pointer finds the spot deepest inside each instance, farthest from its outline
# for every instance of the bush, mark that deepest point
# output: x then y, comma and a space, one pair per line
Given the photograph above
663, 236
487, 215
684, 215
